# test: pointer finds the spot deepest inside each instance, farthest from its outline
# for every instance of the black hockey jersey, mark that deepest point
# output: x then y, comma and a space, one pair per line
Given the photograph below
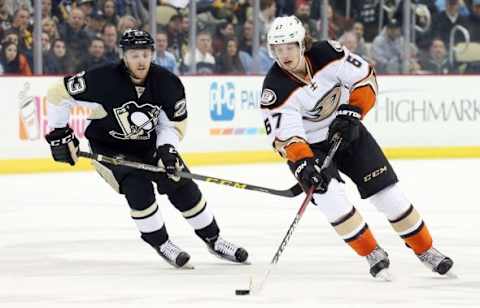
131, 114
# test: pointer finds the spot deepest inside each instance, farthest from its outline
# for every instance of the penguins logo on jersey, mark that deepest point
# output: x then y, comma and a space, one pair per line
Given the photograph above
325, 106
135, 121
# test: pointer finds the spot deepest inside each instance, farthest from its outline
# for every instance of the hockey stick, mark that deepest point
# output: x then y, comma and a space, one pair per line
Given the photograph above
117, 161
256, 289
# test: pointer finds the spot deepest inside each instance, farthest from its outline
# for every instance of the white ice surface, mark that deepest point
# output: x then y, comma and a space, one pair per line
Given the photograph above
66, 240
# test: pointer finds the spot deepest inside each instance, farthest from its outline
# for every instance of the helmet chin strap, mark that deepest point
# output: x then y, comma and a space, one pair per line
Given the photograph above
300, 60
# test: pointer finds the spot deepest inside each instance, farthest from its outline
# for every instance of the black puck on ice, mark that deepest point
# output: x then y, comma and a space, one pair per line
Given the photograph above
242, 292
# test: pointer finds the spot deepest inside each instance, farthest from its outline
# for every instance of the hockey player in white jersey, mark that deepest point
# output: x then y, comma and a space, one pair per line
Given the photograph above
313, 92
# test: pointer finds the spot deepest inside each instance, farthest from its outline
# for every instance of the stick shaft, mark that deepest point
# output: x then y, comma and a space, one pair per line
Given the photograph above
291, 192
281, 248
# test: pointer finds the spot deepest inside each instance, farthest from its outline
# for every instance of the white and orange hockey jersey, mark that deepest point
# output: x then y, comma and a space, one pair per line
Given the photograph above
297, 113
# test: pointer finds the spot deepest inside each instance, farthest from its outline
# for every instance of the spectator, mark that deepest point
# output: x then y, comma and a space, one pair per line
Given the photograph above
46, 9
437, 60
45, 40
362, 49
442, 5
94, 25
86, 6
229, 62
49, 26
13, 6
349, 40
75, 36
126, 22
414, 66
303, 11
4, 20
110, 37
20, 25
95, 57
367, 12
264, 59
133, 8
333, 28
13, 61
474, 22
387, 48
444, 22
268, 8
285, 7
110, 12
177, 37
11, 36
203, 54
246, 40
57, 60
223, 32
164, 57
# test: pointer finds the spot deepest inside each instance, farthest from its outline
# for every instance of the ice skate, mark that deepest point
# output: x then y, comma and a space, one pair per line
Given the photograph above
228, 251
379, 264
437, 262
174, 255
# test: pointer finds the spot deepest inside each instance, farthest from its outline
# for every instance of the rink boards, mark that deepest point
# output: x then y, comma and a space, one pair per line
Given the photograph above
415, 117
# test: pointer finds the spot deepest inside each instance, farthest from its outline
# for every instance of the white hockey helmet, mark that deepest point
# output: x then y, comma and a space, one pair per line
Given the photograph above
287, 29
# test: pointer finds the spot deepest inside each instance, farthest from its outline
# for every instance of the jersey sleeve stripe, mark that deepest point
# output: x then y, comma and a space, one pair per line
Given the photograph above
364, 98
297, 151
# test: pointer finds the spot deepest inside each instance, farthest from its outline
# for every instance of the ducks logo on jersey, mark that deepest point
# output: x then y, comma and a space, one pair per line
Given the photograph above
326, 105
135, 121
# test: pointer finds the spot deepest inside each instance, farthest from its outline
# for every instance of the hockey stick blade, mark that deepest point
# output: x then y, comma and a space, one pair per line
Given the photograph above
293, 191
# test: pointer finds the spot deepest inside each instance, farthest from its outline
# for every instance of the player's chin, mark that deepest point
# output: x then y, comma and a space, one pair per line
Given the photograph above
141, 73
288, 65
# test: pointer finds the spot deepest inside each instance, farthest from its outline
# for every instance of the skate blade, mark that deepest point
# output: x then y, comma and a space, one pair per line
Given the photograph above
384, 275
187, 266
451, 275
228, 259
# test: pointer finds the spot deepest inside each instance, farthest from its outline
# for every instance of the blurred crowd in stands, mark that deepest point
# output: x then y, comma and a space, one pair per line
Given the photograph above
80, 34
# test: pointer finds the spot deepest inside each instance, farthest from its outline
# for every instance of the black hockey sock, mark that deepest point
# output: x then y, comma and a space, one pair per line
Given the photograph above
156, 238
210, 233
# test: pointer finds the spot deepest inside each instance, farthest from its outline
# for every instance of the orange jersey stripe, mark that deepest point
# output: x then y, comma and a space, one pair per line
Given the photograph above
297, 151
364, 98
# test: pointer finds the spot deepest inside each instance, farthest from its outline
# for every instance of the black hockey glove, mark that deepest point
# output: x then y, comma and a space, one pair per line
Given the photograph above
346, 124
308, 173
170, 160
63, 144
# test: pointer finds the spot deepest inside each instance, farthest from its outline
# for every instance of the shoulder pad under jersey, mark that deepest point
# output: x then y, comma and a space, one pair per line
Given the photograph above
323, 53
277, 87
171, 90
88, 85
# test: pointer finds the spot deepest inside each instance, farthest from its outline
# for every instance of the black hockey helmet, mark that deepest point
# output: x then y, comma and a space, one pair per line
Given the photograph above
136, 39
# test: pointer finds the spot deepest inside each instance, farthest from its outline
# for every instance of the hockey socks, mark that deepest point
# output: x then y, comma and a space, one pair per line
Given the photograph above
355, 232
413, 230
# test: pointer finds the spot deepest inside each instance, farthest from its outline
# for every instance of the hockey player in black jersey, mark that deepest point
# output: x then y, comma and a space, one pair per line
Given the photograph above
139, 112
312, 93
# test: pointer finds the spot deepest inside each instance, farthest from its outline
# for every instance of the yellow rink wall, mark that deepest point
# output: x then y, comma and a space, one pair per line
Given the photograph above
415, 117
199, 159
